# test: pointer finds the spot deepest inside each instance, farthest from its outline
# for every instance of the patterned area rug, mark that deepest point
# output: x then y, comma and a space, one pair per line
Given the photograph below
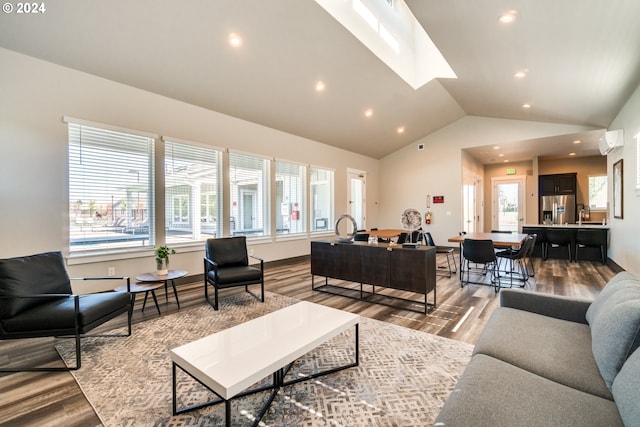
403, 379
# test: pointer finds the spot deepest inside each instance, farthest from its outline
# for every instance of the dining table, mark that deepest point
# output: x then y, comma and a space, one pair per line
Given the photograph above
500, 240
386, 233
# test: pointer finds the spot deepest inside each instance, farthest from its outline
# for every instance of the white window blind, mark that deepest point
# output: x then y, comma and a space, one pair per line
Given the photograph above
321, 198
110, 189
193, 195
250, 197
290, 198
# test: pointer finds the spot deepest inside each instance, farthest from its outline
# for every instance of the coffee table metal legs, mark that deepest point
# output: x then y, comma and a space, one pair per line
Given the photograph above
278, 382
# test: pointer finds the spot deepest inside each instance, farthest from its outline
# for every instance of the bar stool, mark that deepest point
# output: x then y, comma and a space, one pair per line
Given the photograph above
555, 238
590, 239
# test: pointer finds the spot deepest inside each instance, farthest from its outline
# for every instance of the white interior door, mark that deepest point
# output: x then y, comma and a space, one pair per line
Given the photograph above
470, 204
356, 193
508, 203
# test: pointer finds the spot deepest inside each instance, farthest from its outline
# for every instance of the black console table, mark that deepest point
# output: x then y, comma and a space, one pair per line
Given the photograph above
383, 265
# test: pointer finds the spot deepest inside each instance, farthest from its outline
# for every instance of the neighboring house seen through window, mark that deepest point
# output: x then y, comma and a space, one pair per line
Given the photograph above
321, 199
249, 188
193, 188
291, 213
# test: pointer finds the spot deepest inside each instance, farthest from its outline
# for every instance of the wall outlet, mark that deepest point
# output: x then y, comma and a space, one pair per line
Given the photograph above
111, 271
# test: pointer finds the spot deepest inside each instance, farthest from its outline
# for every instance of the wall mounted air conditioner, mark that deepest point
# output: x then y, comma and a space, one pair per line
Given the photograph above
611, 140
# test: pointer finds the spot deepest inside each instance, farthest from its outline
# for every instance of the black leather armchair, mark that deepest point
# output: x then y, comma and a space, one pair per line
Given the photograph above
36, 301
226, 265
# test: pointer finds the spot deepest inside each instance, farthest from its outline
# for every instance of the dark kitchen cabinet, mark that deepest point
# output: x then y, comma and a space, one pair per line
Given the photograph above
564, 183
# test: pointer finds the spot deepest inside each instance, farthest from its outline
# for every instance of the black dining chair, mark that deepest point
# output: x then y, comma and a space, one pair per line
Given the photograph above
479, 252
447, 251
516, 267
361, 236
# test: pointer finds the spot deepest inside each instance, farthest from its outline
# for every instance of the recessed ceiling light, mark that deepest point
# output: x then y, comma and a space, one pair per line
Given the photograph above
235, 40
577, 141
505, 161
368, 112
572, 154
526, 106
400, 129
521, 74
320, 86
508, 17
496, 147
500, 155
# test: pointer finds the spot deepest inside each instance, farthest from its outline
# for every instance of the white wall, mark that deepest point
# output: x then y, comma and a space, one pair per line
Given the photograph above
408, 175
624, 246
35, 95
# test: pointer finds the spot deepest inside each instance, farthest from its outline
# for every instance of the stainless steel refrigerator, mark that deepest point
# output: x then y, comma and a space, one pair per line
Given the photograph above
558, 209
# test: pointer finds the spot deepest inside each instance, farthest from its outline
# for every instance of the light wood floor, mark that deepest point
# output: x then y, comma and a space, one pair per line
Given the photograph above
54, 399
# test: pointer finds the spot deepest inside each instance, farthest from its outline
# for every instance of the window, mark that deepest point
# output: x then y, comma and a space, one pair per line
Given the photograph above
290, 198
598, 192
192, 192
321, 199
110, 189
249, 187
637, 137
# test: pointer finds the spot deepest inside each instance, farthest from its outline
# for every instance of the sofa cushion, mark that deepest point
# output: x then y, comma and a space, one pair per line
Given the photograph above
614, 319
556, 349
495, 393
625, 390
31, 275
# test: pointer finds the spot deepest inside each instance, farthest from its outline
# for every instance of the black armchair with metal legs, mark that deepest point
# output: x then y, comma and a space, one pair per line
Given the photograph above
36, 300
226, 265
481, 253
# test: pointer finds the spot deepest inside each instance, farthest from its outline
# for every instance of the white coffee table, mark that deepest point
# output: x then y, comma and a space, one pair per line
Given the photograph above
230, 361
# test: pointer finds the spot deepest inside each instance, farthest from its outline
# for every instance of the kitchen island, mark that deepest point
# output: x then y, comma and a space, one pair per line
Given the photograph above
587, 242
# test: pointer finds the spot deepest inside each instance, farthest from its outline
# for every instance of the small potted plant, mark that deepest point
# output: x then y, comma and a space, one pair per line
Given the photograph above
162, 259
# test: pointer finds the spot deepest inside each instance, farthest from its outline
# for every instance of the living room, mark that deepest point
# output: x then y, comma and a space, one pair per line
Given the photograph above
39, 91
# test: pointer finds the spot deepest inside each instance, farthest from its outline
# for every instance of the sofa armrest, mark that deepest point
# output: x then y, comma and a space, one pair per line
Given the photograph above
560, 307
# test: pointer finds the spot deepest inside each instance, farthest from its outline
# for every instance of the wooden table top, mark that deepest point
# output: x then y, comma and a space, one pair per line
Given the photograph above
499, 239
153, 277
385, 233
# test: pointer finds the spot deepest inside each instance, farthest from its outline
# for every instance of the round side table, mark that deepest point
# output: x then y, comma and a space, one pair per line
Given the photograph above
171, 277
138, 288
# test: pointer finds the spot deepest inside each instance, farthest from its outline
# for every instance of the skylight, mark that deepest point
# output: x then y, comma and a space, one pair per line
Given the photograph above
392, 33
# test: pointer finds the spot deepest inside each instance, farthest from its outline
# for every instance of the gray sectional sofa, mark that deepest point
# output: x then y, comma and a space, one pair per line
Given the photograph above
546, 360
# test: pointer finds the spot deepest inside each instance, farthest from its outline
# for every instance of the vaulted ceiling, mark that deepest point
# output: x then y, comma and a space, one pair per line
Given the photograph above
580, 56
